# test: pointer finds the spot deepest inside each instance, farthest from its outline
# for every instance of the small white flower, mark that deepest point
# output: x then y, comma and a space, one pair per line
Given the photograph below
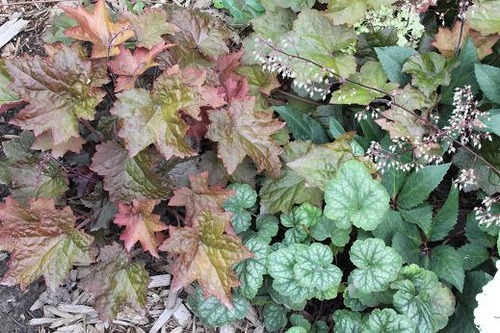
466, 179
485, 215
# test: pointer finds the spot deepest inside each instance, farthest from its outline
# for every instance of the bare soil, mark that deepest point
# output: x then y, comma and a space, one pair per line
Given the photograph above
15, 304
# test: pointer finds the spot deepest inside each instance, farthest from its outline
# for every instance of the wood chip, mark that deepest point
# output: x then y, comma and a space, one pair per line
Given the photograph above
182, 315
11, 28
227, 329
75, 328
176, 330
65, 321
131, 317
162, 280
72, 308
259, 330
41, 321
164, 317
57, 312
37, 305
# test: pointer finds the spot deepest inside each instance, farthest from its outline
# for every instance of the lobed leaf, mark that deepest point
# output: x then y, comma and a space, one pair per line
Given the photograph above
353, 197
251, 272
244, 198
128, 178
483, 17
447, 40
314, 268
200, 198
274, 24
316, 38
7, 98
116, 282
289, 302
326, 228
60, 90
280, 194
155, 117
235, 85
429, 71
243, 131
280, 265
370, 74
206, 254
274, 316
387, 320
267, 227
98, 28
400, 123
363, 299
299, 221
149, 27
45, 142
130, 66
140, 225
303, 272
199, 35
214, 313
349, 12
420, 296
55, 33
377, 265
321, 162
259, 81
28, 173
43, 242
348, 321
241, 11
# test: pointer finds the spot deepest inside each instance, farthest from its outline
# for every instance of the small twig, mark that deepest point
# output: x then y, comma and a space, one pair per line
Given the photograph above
460, 35
491, 166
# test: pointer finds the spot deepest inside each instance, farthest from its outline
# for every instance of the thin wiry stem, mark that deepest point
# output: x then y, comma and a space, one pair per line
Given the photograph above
391, 102
297, 97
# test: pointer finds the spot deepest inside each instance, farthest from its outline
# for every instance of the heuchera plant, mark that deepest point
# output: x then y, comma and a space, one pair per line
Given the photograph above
361, 198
